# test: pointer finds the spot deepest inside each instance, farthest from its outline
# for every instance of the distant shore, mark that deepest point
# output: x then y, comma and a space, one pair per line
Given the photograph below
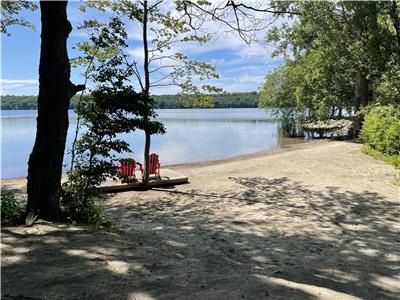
224, 100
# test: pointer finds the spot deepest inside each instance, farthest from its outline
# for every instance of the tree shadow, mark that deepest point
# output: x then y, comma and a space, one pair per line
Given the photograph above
266, 238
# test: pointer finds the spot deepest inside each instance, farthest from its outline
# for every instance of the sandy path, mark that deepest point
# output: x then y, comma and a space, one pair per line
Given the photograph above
315, 221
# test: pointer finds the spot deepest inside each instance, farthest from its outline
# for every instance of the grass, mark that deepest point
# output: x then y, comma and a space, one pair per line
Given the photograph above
390, 159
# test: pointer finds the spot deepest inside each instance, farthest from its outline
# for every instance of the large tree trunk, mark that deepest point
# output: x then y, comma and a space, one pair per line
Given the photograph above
362, 87
361, 95
55, 92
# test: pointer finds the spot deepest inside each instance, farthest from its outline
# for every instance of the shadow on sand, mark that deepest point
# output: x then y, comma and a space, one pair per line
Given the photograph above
269, 238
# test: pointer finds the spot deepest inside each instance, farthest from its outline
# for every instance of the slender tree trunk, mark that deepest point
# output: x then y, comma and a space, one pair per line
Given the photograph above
55, 92
394, 13
147, 93
147, 158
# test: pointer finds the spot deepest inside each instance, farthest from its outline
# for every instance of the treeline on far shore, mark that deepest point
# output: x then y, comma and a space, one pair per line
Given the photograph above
225, 100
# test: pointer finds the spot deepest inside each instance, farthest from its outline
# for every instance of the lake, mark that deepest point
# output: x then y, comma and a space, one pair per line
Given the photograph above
192, 135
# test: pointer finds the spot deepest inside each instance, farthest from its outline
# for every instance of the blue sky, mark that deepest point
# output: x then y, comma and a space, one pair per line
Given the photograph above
241, 67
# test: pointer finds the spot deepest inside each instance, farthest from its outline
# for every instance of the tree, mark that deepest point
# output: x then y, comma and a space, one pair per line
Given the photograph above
344, 49
9, 11
247, 19
55, 92
113, 108
161, 66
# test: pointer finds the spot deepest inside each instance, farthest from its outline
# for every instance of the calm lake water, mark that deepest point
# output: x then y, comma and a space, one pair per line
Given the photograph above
192, 135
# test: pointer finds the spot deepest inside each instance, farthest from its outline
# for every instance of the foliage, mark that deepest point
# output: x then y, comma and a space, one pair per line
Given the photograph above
279, 93
381, 131
329, 45
75, 209
114, 107
12, 208
387, 88
391, 159
10, 9
246, 18
12, 102
161, 64
223, 100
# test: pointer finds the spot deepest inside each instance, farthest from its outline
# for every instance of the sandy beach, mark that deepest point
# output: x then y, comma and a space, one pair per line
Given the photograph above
318, 220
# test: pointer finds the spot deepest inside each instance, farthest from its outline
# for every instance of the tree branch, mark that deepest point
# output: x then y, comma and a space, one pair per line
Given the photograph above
166, 84
161, 79
162, 67
73, 89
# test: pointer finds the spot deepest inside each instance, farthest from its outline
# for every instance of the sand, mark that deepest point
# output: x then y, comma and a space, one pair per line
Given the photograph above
312, 221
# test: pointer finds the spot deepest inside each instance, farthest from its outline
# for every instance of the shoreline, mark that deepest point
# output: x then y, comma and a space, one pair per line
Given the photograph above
297, 144
284, 148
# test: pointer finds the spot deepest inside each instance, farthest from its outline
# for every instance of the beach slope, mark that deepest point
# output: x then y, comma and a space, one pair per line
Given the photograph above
318, 220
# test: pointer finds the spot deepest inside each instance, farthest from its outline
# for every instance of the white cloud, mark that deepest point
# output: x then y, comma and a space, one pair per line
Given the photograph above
18, 86
251, 79
241, 84
137, 54
79, 33
4, 81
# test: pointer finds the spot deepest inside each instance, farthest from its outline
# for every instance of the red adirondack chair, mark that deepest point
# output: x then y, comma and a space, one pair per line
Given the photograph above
127, 168
154, 165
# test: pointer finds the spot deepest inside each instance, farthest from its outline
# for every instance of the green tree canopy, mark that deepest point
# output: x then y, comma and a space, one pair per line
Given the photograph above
9, 11
339, 56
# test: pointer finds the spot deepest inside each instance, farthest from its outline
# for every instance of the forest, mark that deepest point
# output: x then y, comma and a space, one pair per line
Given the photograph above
342, 59
223, 100
342, 62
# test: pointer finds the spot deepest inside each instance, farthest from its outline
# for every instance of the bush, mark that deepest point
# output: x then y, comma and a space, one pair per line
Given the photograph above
12, 209
91, 214
78, 204
381, 133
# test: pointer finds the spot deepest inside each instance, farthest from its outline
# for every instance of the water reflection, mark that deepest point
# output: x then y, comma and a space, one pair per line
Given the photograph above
192, 135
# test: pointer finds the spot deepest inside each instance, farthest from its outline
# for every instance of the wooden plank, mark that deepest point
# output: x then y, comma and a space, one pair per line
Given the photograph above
169, 177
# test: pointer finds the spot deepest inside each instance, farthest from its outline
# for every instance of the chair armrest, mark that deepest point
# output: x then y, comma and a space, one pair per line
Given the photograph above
140, 167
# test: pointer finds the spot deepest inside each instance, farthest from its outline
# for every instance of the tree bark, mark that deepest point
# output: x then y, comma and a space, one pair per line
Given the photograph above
361, 95
362, 87
55, 91
394, 14
146, 175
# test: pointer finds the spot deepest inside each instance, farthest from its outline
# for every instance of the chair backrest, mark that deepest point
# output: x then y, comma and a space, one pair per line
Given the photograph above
154, 164
127, 167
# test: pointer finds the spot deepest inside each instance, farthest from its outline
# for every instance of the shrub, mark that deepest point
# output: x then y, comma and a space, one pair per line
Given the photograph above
79, 204
381, 133
12, 209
